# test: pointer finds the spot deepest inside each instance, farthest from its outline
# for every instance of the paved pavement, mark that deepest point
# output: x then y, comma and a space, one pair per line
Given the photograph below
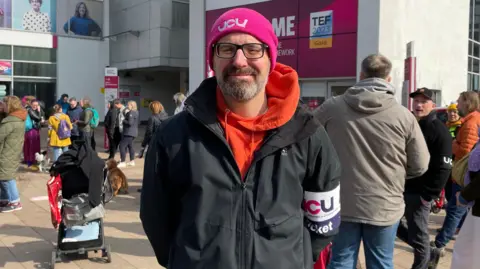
27, 237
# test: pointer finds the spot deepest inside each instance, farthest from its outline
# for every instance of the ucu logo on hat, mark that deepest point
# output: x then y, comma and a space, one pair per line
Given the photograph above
231, 23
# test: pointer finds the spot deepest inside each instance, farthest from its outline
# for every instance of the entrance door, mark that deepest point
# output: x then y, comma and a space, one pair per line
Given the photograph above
43, 90
8, 86
339, 87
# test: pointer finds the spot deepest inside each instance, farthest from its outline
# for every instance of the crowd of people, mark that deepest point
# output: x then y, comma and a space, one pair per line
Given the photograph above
249, 177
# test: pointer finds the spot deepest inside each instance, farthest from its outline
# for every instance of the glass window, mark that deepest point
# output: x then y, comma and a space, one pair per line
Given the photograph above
5, 52
469, 82
475, 82
34, 69
476, 66
34, 54
476, 50
470, 64
180, 15
470, 48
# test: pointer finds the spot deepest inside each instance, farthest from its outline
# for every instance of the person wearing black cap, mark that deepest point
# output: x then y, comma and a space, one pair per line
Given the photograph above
419, 192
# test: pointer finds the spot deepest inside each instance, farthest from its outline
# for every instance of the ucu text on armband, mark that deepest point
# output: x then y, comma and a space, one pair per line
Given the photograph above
322, 210
447, 160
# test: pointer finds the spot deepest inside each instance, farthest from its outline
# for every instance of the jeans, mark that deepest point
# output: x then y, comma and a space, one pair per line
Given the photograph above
127, 142
416, 233
57, 151
378, 243
9, 191
453, 219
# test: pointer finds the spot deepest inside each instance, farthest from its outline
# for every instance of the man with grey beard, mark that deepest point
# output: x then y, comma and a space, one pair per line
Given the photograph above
244, 177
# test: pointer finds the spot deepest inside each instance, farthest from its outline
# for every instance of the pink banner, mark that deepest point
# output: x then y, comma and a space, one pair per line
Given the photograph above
317, 38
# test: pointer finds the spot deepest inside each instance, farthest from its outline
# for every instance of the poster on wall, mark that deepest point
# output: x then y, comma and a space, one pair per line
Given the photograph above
5, 68
317, 38
35, 15
82, 18
5, 13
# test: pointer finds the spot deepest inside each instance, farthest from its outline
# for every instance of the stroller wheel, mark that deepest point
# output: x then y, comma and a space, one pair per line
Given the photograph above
107, 252
436, 210
54, 260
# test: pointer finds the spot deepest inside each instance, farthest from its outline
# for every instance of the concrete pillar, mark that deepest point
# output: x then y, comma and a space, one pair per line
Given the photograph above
196, 34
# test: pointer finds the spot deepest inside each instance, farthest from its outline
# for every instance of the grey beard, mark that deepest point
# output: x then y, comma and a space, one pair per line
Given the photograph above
241, 91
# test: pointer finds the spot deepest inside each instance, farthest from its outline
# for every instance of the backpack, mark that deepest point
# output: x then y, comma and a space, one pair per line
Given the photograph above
28, 123
95, 118
63, 130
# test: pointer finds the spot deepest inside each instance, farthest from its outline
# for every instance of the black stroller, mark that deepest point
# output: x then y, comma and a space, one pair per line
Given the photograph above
78, 190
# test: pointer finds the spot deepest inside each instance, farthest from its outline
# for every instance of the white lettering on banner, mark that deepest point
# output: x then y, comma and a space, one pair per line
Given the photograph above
322, 206
284, 26
232, 22
284, 52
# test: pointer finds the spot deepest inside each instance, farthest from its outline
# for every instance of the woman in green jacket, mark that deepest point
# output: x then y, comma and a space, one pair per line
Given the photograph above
12, 129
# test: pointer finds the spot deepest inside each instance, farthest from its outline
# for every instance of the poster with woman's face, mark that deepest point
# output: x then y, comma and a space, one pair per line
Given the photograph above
34, 15
80, 17
5, 13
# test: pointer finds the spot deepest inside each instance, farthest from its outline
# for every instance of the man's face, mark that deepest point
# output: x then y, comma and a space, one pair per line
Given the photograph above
65, 99
35, 5
73, 103
422, 105
119, 105
453, 115
461, 106
239, 77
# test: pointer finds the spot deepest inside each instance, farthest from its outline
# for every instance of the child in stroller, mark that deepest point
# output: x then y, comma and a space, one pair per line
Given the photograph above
77, 191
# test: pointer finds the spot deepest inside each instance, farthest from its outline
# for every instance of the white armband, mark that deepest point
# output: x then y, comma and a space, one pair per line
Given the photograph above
322, 210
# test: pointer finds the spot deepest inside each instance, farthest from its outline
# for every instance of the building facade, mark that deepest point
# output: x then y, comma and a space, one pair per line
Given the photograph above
325, 41
473, 80
51, 47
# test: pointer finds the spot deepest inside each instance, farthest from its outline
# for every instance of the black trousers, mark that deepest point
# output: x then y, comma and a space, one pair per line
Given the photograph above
114, 142
415, 231
88, 139
127, 143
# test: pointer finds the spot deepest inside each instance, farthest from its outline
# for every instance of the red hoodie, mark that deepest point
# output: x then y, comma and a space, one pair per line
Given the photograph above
245, 135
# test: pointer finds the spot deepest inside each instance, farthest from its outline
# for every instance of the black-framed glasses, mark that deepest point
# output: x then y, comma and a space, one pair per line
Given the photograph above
229, 50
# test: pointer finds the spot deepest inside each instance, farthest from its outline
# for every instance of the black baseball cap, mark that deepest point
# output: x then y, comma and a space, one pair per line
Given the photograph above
422, 91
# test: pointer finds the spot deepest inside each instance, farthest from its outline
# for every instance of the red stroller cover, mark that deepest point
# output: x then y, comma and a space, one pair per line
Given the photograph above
54, 185
324, 258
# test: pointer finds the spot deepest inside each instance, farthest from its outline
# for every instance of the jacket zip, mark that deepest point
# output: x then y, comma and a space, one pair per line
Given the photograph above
243, 248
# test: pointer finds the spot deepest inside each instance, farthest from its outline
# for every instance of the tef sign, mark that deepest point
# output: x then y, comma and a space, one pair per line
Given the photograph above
321, 29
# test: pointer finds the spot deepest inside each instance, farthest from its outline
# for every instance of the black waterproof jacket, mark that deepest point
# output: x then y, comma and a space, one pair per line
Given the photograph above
439, 143
152, 126
198, 212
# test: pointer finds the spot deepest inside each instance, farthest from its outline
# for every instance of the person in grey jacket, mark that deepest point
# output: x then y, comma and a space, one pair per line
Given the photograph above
380, 144
130, 131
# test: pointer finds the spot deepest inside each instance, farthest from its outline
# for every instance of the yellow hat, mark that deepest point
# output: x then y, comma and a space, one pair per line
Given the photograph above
452, 107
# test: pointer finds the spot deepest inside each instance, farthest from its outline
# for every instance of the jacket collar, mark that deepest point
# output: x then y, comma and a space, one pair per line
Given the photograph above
429, 118
201, 104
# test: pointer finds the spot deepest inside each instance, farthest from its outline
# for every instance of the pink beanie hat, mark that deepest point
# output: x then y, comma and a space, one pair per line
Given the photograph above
248, 21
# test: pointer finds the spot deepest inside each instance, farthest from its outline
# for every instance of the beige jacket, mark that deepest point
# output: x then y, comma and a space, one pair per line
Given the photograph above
379, 144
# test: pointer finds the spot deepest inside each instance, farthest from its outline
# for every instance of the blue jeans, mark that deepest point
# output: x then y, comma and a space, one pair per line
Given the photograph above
378, 243
452, 220
9, 191
57, 151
